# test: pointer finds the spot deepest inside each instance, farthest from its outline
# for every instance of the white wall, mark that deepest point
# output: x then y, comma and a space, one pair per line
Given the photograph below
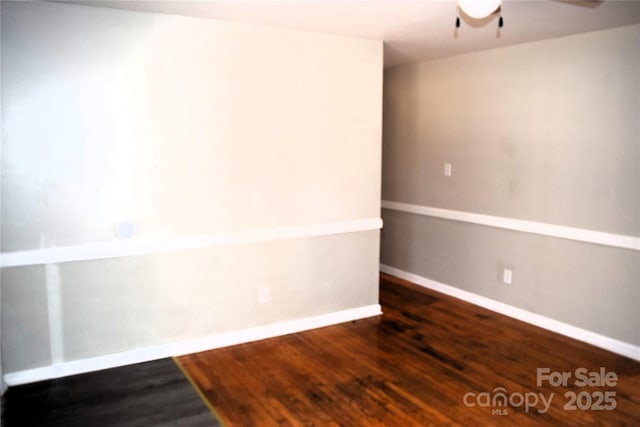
546, 132
183, 127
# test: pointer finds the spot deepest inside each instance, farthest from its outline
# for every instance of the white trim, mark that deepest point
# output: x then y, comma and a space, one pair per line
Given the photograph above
192, 346
552, 230
55, 312
607, 343
119, 248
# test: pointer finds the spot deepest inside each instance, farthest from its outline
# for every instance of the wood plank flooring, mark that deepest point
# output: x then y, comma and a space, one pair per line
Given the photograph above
414, 366
146, 394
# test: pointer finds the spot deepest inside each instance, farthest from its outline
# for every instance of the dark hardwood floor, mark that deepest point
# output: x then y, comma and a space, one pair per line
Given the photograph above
416, 365
146, 394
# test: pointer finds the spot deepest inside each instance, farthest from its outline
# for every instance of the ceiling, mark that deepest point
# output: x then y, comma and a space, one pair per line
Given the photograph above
412, 31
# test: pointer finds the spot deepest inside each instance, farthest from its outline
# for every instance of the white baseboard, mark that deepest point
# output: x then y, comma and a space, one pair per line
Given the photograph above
180, 348
604, 342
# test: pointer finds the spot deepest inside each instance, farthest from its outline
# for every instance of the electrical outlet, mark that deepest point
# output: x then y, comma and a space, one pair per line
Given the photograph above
507, 275
447, 169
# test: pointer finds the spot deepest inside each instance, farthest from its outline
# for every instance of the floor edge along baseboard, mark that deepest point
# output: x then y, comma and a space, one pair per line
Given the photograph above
192, 346
611, 344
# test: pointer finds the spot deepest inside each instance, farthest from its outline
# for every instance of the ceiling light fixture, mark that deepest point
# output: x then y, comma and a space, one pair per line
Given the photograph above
479, 9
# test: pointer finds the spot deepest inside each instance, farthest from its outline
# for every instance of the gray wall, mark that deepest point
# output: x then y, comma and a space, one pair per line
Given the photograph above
546, 132
183, 127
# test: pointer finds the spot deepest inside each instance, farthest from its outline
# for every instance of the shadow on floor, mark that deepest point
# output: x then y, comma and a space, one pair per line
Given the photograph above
146, 394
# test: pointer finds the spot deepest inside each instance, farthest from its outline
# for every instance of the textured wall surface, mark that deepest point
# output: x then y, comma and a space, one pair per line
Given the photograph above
546, 132
180, 127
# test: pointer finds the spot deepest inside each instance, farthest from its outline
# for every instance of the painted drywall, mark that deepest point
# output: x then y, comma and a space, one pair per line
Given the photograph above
547, 132
591, 286
181, 127
115, 305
